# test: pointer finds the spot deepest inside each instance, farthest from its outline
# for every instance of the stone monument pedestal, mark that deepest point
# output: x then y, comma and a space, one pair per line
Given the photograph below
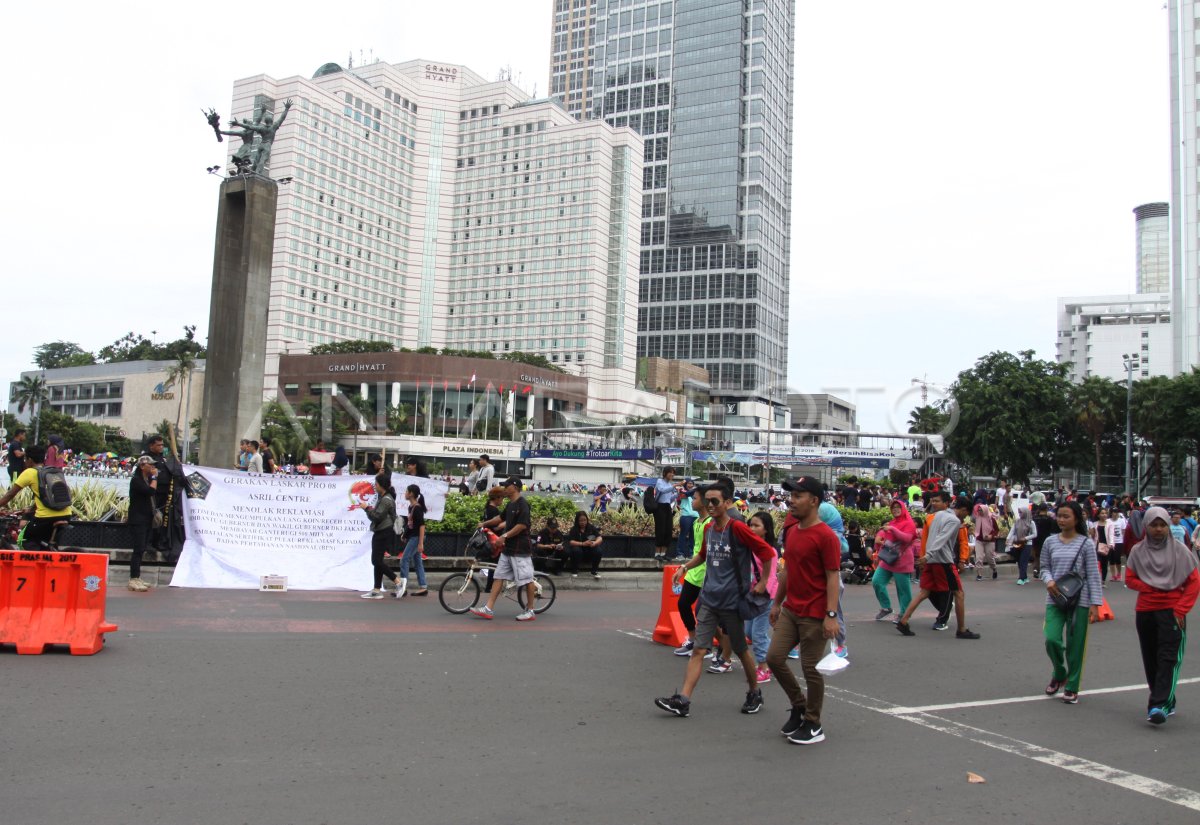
237, 325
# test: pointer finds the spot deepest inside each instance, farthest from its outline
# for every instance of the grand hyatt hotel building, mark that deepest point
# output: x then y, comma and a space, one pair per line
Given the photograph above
431, 208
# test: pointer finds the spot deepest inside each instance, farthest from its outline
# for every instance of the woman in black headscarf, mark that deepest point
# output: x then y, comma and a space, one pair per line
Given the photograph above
1163, 572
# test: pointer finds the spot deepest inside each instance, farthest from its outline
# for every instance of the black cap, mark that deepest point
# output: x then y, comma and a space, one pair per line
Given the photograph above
805, 484
511, 481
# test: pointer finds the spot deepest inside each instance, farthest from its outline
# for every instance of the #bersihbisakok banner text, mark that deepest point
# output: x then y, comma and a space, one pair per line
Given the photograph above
241, 526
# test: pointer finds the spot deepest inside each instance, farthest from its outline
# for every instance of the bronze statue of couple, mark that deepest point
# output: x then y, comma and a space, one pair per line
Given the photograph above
252, 156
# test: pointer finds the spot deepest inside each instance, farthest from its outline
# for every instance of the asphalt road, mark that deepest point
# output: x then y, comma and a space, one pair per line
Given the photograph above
241, 707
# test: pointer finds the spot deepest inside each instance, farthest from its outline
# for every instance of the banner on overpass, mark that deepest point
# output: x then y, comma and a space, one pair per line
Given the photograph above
592, 455
883, 458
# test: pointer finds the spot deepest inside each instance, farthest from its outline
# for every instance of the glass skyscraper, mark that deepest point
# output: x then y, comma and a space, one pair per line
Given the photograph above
708, 85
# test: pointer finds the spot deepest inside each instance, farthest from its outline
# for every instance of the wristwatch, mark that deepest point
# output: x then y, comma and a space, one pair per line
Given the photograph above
830, 614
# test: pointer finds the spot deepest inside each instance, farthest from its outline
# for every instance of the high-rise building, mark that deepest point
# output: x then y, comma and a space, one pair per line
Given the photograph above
1153, 247
1185, 197
571, 55
708, 86
429, 207
1096, 334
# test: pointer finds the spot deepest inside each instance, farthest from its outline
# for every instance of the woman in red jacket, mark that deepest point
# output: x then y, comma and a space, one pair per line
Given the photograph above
1163, 572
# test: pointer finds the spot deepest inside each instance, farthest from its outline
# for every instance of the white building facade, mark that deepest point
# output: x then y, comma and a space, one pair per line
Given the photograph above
429, 207
1185, 203
1096, 333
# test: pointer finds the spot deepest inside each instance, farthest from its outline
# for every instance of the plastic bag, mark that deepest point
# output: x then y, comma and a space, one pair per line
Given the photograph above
832, 664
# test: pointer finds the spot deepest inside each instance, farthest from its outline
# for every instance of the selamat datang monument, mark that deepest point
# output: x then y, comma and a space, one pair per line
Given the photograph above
237, 325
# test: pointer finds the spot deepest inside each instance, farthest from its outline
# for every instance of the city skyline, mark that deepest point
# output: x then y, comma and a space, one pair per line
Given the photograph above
926, 165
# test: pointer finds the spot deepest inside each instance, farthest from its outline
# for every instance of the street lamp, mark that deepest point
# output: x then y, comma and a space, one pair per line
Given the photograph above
1131, 362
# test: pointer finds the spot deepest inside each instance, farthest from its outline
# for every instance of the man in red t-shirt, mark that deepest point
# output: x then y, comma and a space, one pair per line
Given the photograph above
805, 609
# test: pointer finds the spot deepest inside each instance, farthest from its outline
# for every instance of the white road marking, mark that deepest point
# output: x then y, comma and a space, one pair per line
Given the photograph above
1183, 797
899, 711
645, 635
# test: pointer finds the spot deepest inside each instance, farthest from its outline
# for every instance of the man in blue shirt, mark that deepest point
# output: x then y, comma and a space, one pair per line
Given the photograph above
664, 515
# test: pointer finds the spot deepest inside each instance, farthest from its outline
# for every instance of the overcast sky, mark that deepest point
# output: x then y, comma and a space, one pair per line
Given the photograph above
957, 166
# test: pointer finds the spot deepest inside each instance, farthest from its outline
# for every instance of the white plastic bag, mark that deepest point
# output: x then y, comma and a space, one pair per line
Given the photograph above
832, 664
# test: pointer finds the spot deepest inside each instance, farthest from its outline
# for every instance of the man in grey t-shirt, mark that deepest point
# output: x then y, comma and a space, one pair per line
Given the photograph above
941, 564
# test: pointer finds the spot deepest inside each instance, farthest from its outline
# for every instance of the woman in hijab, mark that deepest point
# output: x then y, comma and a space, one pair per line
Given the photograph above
1163, 572
985, 540
1020, 542
901, 531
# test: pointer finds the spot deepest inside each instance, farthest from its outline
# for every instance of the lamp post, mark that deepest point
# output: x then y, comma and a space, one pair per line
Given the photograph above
1130, 362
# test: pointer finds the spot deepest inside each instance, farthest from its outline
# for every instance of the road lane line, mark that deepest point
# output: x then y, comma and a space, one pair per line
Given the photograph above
1010, 700
644, 635
1174, 794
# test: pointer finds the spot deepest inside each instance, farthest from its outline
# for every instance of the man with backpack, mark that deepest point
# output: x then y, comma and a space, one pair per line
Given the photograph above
51, 496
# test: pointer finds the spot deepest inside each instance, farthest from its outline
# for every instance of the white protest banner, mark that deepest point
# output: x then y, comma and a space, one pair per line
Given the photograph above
241, 526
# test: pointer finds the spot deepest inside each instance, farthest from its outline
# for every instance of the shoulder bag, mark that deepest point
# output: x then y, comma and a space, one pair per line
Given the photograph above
1070, 586
750, 605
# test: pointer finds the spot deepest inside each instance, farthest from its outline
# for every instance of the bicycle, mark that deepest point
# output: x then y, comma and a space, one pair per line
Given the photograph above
12, 532
460, 591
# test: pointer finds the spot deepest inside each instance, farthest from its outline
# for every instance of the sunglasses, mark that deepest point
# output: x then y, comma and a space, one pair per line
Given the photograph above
713, 502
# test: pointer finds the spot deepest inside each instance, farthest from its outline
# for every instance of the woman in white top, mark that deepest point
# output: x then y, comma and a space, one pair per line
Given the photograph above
1100, 532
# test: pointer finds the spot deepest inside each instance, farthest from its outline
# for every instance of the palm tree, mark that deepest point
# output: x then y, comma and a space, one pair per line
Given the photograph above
31, 391
1096, 402
181, 373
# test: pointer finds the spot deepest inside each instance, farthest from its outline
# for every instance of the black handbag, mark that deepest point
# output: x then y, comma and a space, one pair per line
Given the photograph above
1070, 586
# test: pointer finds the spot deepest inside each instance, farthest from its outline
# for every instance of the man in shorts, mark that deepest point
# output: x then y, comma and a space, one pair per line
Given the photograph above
516, 561
726, 550
941, 565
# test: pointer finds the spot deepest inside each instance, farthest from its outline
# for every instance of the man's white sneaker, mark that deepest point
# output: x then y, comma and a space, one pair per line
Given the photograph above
527, 616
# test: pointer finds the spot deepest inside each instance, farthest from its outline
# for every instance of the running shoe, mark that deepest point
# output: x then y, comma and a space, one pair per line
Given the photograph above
527, 616
883, 614
794, 722
685, 649
674, 704
1022, 581
1054, 687
719, 665
794, 653
753, 703
374, 594
940, 626
904, 629
1156, 716
995, 574
1071, 697
596, 576
966, 634
808, 734
763, 674
979, 578
401, 588
484, 612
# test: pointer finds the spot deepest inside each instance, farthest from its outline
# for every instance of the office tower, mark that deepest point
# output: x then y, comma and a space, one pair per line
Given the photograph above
1153, 247
1184, 217
429, 207
571, 55
708, 85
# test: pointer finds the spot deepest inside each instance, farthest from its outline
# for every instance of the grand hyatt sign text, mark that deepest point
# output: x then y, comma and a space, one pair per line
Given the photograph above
357, 367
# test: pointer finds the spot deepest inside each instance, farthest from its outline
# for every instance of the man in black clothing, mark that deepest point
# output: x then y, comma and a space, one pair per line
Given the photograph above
16, 456
142, 494
515, 563
168, 538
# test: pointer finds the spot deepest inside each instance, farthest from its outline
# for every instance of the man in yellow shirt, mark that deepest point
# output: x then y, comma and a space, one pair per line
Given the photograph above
41, 528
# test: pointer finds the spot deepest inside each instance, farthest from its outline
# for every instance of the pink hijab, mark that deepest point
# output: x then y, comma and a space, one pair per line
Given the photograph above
985, 524
902, 526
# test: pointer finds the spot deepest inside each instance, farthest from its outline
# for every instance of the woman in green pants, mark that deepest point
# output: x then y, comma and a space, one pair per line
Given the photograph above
1066, 631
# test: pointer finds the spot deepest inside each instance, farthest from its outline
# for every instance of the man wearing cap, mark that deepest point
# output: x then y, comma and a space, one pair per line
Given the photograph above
941, 564
516, 562
805, 608
727, 550
143, 490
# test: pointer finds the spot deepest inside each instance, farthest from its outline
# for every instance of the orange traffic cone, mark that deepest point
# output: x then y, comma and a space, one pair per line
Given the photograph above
1105, 613
669, 629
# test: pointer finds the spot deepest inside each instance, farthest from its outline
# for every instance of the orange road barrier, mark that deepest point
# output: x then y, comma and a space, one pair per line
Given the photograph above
1105, 613
669, 630
53, 598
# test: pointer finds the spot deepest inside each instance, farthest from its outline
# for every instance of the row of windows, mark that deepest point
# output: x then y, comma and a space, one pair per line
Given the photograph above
89, 410
710, 316
71, 392
709, 287
688, 258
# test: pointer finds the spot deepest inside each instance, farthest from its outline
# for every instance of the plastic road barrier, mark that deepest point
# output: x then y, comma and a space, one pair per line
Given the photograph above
669, 629
53, 598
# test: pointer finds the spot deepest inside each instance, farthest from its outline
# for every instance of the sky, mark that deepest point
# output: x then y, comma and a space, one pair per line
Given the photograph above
957, 166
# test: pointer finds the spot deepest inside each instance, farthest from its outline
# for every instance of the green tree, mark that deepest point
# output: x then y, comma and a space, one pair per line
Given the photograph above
928, 419
31, 392
1098, 407
61, 354
1010, 411
351, 347
1187, 403
179, 375
1154, 420
136, 347
532, 359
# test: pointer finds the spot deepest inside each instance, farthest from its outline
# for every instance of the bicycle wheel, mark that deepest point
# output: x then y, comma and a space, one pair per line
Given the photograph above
546, 593
459, 593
